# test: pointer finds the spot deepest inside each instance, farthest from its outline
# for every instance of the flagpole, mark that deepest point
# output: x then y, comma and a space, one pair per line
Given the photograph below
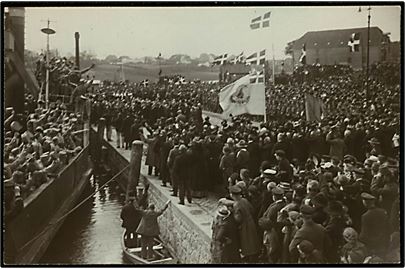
272, 48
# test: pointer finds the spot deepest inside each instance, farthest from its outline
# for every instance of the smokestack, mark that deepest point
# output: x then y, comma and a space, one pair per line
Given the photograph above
77, 36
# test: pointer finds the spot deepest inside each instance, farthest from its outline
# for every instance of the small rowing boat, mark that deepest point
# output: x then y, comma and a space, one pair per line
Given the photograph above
132, 252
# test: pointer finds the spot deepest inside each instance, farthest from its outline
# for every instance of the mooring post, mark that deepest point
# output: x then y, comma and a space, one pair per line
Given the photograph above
135, 167
100, 133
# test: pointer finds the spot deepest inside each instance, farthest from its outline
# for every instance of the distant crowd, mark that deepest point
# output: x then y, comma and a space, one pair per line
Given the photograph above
294, 191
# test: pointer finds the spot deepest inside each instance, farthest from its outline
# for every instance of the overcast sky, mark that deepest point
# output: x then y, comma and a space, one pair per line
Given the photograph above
145, 31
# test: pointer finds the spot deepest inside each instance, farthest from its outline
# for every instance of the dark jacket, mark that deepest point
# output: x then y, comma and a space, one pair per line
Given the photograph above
374, 228
225, 241
131, 216
314, 233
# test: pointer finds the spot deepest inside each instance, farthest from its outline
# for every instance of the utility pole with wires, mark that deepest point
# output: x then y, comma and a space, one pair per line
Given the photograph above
48, 31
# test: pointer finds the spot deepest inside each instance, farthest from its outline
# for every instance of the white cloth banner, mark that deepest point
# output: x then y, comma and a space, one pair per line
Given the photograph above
242, 97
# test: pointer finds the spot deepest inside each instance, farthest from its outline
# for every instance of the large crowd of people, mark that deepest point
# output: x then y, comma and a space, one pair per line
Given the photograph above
294, 191
38, 144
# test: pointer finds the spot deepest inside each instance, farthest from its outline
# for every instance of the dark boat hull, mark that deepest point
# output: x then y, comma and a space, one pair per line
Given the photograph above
31, 231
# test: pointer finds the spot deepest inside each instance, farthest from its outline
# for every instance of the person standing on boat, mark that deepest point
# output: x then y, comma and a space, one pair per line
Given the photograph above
131, 217
149, 229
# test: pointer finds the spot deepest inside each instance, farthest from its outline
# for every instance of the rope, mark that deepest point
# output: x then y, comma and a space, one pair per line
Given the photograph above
73, 209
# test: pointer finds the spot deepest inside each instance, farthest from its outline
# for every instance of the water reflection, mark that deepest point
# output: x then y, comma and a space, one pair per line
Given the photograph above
91, 234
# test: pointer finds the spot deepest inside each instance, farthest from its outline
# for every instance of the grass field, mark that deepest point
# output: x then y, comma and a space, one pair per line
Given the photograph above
138, 72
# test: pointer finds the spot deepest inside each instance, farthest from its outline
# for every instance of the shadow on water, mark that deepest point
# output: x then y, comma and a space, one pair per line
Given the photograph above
92, 233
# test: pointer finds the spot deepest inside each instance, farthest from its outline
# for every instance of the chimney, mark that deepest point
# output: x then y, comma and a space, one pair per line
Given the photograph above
77, 36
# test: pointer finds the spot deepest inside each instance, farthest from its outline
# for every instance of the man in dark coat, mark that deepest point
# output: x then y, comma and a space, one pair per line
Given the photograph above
225, 239
314, 233
255, 156
243, 212
272, 229
374, 226
181, 170
284, 164
131, 216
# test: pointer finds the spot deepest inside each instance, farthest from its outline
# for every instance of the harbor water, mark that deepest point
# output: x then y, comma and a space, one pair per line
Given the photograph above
92, 233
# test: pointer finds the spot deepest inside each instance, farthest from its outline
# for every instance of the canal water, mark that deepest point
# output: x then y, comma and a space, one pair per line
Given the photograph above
92, 233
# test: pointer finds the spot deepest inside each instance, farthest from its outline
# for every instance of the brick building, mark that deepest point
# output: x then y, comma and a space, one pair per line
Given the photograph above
331, 47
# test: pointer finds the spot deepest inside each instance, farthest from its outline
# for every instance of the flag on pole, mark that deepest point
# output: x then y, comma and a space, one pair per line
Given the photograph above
313, 108
354, 42
257, 58
257, 76
261, 21
220, 60
242, 97
303, 58
239, 59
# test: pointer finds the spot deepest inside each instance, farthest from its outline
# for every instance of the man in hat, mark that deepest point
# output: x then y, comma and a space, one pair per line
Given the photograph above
227, 165
242, 156
284, 165
149, 229
243, 213
131, 216
272, 229
336, 224
181, 171
225, 242
374, 231
310, 231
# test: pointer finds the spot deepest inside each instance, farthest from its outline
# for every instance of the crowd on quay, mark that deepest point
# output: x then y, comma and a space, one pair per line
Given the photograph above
294, 191
37, 145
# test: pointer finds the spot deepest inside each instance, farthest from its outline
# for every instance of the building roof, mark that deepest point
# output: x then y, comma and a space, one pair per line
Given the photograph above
336, 38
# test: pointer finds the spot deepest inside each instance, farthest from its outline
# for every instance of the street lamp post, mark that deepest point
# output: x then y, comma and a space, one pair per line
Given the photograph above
48, 31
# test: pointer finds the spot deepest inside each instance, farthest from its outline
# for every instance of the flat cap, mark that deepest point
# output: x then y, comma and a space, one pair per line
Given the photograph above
306, 209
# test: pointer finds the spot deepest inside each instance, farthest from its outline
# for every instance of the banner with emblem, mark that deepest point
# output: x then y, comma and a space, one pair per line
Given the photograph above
242, 97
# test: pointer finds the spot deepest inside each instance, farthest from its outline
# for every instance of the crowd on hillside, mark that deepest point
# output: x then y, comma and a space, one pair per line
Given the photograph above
294, 191
37, 146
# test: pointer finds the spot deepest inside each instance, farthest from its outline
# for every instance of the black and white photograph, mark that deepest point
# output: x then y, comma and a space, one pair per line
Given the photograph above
202, 133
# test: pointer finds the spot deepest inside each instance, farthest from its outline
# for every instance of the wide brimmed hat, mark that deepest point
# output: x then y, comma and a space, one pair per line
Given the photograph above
241, 144
223, 212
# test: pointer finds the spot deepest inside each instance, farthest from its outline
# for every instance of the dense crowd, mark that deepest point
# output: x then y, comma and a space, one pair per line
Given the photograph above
294, 191
64, 77
37, 146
